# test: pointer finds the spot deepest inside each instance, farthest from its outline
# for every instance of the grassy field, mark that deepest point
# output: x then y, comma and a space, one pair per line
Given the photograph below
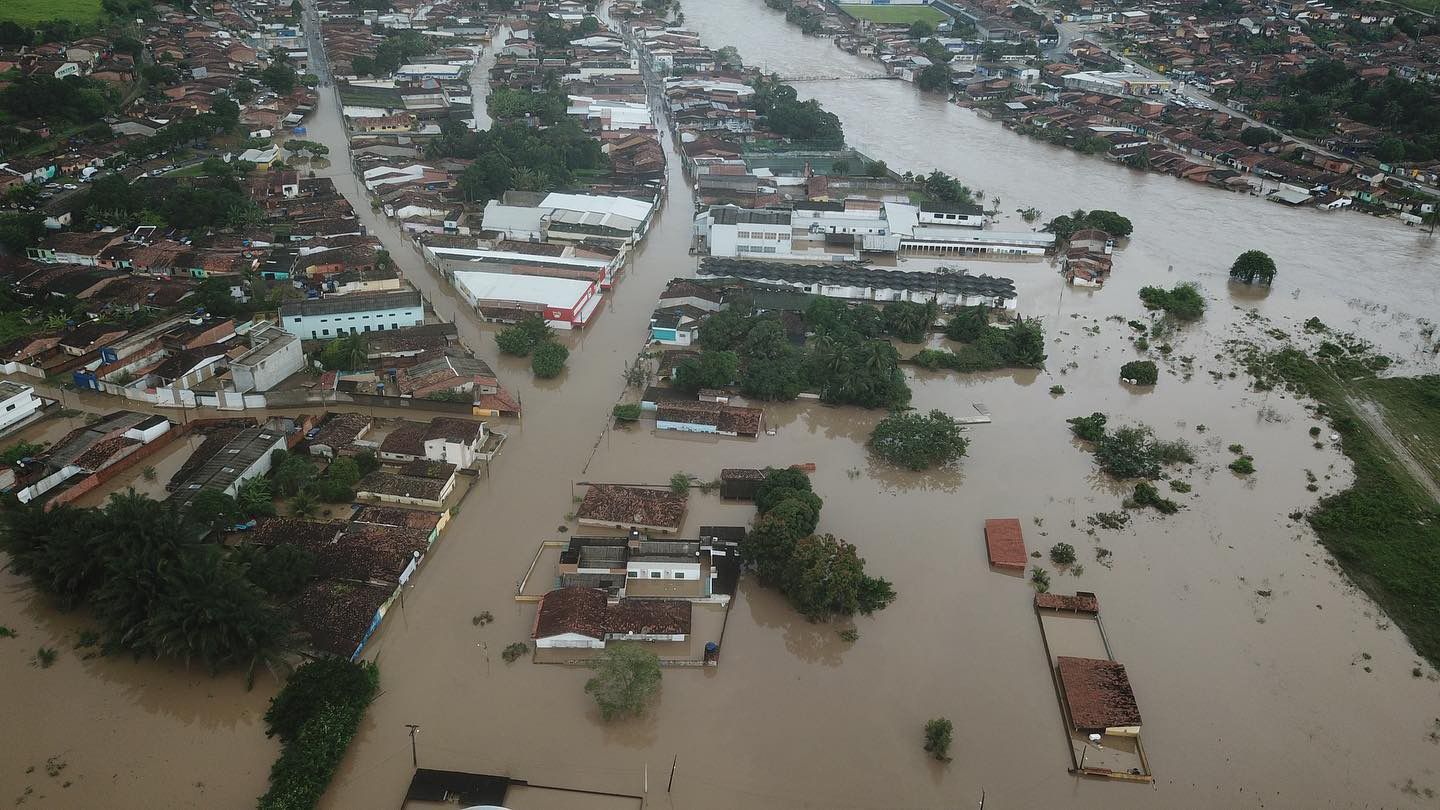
1385, 529
33, 11
902, 14
1427, 6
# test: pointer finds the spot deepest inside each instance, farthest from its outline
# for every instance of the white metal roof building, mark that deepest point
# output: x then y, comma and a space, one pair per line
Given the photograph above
620, 213
430, 71
565, 303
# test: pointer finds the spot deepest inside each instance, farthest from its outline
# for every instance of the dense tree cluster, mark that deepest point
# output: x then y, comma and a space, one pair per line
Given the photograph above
154, 584
1129, 452
315, 716
1182, 301
1253, 266
76, 99
918, 441
627, 676
1140, 372
515, 156
821, 575
986, 347
1411, 110
848, 363
532, 337
802, 121
216, 200
505, 104
1065, 225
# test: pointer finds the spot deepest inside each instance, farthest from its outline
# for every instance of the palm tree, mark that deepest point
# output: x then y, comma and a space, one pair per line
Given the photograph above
303, 505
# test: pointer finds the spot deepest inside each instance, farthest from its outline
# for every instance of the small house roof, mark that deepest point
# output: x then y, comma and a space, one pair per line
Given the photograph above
1098, 693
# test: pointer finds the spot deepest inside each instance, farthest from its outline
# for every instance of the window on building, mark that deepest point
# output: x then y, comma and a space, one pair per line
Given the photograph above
633, 574
654, 574
325, 332
679, 574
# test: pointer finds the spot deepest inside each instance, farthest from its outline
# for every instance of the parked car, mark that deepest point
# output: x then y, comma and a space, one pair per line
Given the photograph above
52, 185
70, 187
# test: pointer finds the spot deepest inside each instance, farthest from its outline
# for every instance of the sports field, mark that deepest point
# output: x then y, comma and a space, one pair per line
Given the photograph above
896, 14
33, 11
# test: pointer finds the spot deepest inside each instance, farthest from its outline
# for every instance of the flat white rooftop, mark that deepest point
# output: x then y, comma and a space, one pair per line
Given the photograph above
557, 293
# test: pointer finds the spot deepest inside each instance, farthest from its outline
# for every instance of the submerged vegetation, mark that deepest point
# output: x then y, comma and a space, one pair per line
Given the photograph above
1385, 528
1129, 452
315, 716
918, 441
821, 575
1183, 301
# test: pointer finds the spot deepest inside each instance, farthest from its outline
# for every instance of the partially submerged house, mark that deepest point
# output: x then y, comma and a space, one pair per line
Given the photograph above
625, 507
1098, 697
1005, 543
578, 617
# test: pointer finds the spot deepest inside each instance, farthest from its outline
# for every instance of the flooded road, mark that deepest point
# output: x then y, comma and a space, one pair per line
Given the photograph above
1264, 680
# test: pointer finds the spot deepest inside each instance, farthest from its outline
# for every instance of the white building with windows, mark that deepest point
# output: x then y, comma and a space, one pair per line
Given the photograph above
322, 318
732, 231
17, 404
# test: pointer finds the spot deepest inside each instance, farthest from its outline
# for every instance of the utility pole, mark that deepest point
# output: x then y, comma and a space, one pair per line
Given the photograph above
671, 783
414, 757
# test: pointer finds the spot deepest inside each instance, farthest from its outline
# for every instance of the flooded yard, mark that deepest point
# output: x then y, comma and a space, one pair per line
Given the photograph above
1266, 679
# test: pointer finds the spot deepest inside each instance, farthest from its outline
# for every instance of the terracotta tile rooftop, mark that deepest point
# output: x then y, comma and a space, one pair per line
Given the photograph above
395, 516
1005, 543
337, 615
401, 486
741, 421
1081, 602
633, 506
587, 612
1098, 694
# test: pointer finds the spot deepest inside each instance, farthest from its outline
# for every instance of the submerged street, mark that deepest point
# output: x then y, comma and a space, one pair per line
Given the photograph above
1265, 679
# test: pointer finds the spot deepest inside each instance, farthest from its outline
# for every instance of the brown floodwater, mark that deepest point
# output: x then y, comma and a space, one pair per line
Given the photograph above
1248, 652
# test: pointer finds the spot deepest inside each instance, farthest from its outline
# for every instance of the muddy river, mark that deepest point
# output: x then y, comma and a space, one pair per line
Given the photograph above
1263, 678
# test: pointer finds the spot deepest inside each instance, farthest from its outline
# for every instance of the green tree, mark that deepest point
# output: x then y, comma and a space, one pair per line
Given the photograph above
1141, 372
908, 320
1183, 301
524, 337
711, 369
768, 547
777, 485
918, 441
968, 323
293, 474
55, 548
826, 577
279, 76
214, 509
627, 677
939, 734
921, 29
934, 78
1252, 266
1258, 136
344, 472
549, 360
20, 231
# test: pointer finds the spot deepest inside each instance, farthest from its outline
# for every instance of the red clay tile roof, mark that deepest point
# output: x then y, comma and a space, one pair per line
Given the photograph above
582, 611
337, 615
341, 430
406, 440
1004, 543
425, 468
650, 617
1081, 602
586, 611
401, 486
741, 421
395, 516
741, 474
633, 506
102, 452
689, 412
1098, 694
